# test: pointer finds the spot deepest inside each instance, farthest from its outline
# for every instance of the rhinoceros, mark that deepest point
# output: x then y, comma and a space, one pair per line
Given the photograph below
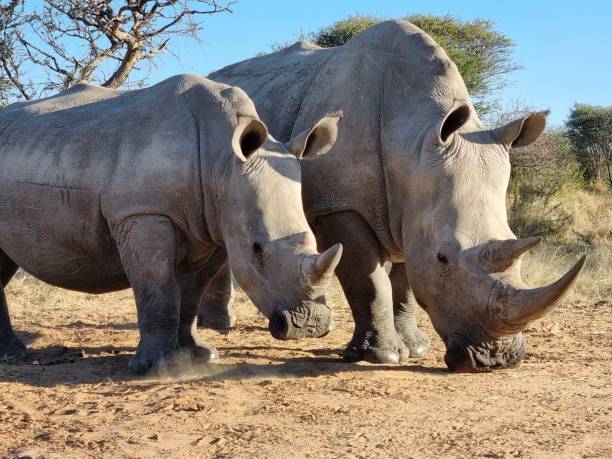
416, 180
157, 189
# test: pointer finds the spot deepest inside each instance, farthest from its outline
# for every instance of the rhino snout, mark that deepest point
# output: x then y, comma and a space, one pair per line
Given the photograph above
485, 356
309, 319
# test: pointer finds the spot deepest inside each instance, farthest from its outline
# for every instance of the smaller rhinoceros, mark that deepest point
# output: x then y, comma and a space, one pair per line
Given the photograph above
103, 189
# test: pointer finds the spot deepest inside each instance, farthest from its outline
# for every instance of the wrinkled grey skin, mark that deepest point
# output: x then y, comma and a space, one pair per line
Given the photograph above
415, 178
156, 189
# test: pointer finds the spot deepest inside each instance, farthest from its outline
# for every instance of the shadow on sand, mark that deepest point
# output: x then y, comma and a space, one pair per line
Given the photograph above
54, 366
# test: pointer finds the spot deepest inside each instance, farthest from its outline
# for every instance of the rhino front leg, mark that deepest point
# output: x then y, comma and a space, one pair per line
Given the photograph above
216, 309
10, 345
366, 286
404, 312
147, 246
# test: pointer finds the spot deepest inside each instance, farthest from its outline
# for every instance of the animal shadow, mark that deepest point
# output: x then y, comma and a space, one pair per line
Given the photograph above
60, 365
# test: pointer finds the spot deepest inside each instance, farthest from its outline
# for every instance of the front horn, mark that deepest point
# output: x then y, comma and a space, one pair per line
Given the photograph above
521, 306
319, 268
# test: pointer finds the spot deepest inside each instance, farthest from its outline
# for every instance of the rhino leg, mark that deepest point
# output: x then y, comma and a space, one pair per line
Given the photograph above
404, 311
366, 286
10, 345
216, 309
193, 285
147, 246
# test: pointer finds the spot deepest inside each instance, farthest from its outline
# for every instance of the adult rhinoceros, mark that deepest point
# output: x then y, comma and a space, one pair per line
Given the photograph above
102, 189
415, 177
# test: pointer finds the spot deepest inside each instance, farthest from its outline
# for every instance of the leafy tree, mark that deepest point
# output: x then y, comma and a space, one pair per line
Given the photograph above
57, 43
589, 129
342, 31
482, 55
540, 173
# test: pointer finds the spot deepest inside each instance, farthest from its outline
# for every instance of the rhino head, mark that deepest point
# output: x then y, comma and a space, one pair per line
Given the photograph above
462, 259
272, 250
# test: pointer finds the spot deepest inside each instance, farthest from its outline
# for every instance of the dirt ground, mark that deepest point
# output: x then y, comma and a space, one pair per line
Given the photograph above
73, 397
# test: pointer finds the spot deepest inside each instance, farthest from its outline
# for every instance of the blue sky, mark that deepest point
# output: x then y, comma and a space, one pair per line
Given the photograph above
564, 47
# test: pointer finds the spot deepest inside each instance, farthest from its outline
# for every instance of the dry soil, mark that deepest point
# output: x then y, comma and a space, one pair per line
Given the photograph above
73, 396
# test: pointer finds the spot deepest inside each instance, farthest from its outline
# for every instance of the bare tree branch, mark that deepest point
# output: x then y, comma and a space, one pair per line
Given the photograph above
72, 40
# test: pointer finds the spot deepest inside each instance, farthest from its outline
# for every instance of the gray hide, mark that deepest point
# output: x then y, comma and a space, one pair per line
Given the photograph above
155, 189
415, 178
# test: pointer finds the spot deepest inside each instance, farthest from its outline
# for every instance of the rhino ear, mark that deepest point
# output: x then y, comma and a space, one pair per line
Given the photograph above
456, 118
316, 141
522, 132
250, 134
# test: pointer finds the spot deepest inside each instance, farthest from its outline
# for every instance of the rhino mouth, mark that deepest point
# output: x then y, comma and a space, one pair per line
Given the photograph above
310, 319
464, 356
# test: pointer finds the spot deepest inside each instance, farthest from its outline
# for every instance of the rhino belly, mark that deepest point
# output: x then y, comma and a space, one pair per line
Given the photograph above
57, 234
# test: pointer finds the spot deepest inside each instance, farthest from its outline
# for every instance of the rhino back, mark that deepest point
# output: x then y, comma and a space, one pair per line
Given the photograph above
79, 162
277, 83
392, 74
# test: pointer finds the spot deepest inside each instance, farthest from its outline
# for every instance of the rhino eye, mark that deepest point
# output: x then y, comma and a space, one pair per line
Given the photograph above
257, 248
442, 259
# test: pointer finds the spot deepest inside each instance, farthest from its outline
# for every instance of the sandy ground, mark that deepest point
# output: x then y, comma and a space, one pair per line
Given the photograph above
73, 397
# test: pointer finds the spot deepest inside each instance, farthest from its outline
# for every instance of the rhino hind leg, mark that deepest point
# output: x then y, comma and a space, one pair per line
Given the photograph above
10, 344
193, 286
216, 304
147, 246
404, 312
366, 286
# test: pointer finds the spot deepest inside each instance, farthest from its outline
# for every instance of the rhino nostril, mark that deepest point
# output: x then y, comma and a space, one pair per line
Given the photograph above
278, 326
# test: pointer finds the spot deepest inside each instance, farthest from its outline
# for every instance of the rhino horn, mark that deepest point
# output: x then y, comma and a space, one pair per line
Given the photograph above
525, 305
324, 264
498, 256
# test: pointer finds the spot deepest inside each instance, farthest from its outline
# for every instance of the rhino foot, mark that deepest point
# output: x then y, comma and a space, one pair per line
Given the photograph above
202, 352
217, 319
12, 348
392, 351
415, 339
159, 356
219, 323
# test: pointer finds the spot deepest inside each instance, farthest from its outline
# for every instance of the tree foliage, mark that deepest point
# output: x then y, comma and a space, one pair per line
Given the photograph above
482, 55
58, 43
540, 173
342, 31
589, 129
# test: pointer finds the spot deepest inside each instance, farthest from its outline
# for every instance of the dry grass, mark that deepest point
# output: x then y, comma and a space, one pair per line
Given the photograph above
551, 260
27, 290
588, 230
590, 216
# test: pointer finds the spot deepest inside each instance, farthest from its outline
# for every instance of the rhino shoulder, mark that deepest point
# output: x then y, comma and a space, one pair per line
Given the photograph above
78, 95
203, 95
